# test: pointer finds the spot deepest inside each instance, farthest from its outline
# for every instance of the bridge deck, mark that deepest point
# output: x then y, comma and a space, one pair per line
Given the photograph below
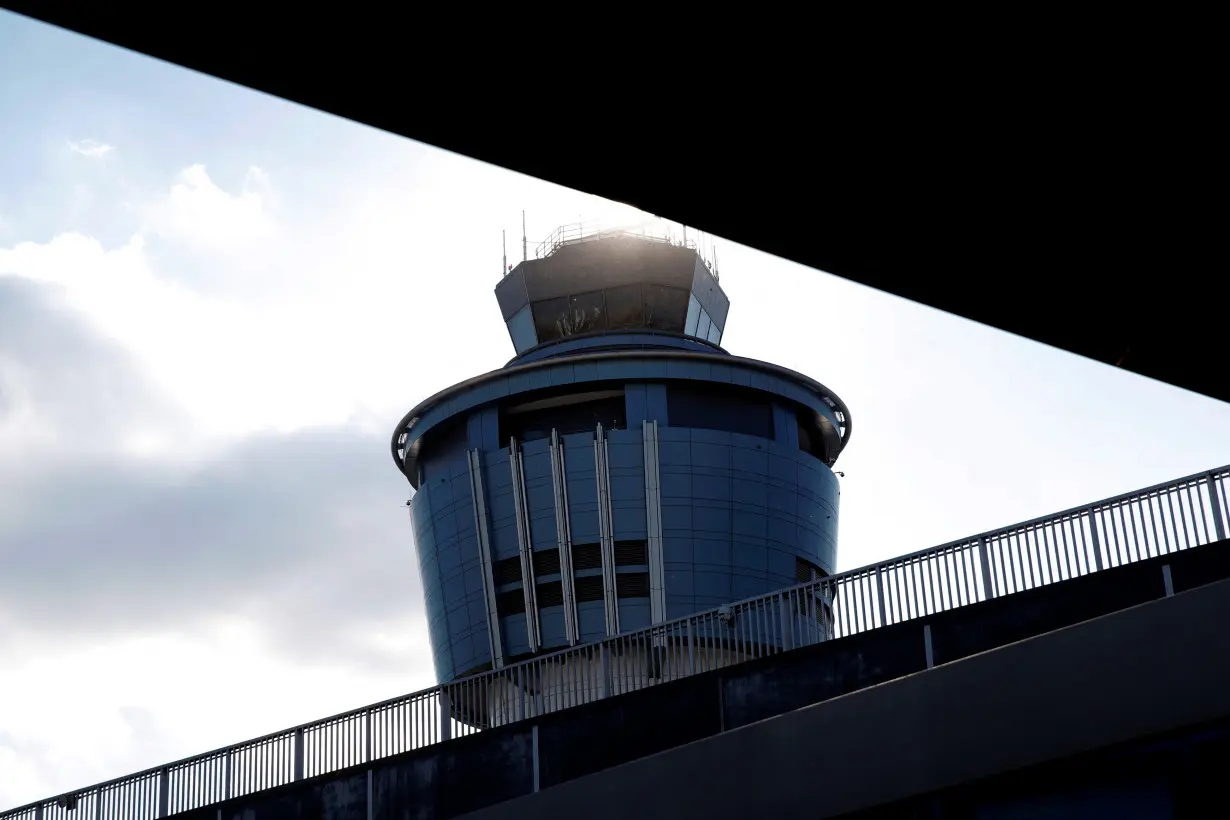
747, 662
1133, 674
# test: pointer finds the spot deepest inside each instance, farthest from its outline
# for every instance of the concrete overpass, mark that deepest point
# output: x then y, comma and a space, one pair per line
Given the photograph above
1097, 719
954, 714
1029, 646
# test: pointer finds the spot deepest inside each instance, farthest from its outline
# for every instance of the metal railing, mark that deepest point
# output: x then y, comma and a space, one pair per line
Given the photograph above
592, 230
589, 231
1155, 521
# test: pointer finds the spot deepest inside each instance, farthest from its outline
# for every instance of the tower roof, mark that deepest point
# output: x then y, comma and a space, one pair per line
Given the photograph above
585, 282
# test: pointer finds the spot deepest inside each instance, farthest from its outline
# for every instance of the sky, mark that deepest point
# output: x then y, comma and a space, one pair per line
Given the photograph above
214, 308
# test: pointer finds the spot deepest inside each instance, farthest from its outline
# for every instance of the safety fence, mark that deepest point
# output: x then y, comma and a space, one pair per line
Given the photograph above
591, 230
1154, 521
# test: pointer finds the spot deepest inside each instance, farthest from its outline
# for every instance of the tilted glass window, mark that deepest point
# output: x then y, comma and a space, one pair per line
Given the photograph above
521, 328
693, 318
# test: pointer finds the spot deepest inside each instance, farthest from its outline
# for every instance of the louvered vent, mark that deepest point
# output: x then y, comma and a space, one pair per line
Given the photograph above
806, 571
589, 588
546, 562
550, 594
510, 603
632, 584
631, 553
586, 556
506, 571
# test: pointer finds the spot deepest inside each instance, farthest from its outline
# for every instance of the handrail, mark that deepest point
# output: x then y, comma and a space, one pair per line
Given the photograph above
590, 230
1157, 520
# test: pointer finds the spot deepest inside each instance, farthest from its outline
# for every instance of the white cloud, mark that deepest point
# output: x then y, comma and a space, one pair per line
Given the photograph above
205, 690
234, 367
200, 212
317, 322
121, 559
90, 147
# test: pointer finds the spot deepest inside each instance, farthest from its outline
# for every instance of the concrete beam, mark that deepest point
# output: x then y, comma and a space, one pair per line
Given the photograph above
1145, 670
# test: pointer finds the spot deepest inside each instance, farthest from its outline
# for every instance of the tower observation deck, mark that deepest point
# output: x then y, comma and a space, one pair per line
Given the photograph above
621, 470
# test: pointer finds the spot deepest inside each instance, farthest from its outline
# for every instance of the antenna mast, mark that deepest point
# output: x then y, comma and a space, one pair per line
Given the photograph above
504, 242
525, 252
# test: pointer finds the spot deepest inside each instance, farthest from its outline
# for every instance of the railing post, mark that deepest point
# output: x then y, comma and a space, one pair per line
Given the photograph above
164, 792
298, 751
691, 648
227, 775
1219, 526
604, 660
880, 590
534, 750
519, 687
984, 558
446, 716
38, 812
1097, 543
787, 623
367, 730
830, 610
540, 684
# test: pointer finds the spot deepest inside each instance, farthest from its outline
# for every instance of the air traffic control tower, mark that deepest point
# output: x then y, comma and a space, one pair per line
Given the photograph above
623, 469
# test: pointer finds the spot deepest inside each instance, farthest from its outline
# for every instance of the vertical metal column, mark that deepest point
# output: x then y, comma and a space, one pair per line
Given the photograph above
367, 736
298, 752
787, 621
984, 558
483, 534
164, 792
526, 545
653, 524
563, 537
519, 689
1219, 525
691, 637
880, 594
1093, 534
534, 744
606, 530
446, 715
604, 670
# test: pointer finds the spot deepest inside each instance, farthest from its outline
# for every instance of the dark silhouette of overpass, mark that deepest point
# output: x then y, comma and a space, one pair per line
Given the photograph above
1037, 190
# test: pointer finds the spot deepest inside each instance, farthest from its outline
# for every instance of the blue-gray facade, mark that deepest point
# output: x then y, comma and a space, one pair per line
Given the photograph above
605, 480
